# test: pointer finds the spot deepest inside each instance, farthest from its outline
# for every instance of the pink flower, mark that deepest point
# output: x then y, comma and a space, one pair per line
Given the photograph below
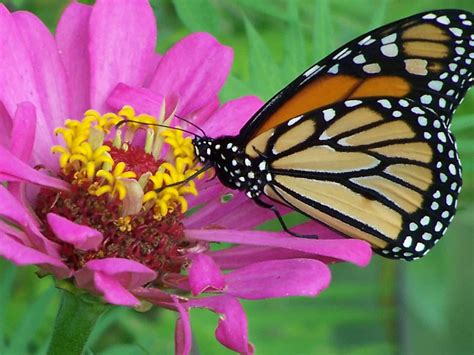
101, 215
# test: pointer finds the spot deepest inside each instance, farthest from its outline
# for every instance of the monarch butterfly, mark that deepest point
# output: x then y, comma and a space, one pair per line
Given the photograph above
361, 141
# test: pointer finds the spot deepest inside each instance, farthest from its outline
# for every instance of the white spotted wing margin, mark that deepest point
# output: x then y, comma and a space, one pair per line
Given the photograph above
384, 170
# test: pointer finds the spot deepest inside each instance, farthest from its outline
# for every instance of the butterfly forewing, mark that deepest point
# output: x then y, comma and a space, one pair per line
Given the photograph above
384, 170
427, 58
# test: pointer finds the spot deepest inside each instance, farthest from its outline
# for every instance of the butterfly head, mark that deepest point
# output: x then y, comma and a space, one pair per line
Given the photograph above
233, 167
203, 148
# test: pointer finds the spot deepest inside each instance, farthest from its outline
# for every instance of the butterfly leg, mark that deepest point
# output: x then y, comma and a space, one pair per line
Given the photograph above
280, 219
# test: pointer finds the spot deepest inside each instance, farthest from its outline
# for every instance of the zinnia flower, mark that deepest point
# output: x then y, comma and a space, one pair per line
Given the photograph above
86, 199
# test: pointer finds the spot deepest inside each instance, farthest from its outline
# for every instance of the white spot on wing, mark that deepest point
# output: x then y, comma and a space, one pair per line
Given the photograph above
407, 242
435, 85
456, 31
385, 103
334, 69
425, 221
426, 99
365, 40
444, 20
422, 121
342, 53
389, 39
417, 110
329, 114
373, 68
312, 70
419, 247
359, 59
294, 120
429, 16
389, 50
352, 103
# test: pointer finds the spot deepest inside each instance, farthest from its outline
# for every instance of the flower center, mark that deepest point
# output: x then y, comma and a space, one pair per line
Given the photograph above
120, 178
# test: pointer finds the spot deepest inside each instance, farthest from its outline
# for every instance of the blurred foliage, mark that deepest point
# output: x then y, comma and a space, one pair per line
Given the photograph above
424, 307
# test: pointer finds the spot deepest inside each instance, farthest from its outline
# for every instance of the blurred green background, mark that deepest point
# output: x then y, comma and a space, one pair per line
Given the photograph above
423, 307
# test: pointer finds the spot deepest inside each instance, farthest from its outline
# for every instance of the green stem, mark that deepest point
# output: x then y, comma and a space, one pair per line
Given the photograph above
77, 316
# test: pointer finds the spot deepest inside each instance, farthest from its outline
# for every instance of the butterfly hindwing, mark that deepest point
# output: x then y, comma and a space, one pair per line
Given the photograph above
385, 170
427, 58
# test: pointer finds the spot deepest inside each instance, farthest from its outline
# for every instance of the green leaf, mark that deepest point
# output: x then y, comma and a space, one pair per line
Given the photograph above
76, 317
264, 72
295, 52
466, 145
233, 88
197, 15
323, 32
31, 322
124, 349
109, 318
7, 279
463, 122
378, 18
268, 8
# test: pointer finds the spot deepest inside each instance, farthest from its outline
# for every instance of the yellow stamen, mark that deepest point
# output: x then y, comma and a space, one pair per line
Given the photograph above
86, 158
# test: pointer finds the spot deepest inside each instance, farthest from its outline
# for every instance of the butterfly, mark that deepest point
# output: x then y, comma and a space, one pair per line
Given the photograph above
361, 140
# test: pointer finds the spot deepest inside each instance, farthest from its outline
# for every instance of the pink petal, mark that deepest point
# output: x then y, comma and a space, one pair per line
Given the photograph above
204, 275
155, 60
232, 116
82, 237
318, 228
156, 296
13, 169
113, 290
351, 250
49, 72
183, 335
13, 212
5, 126
141, 99
278, 278
207, 191
249, 215
24, 130
238, 213
23, 136
232, 328
72, 38
194, 69
18, 79
115, 278
130, 273
200, 116
122, 44
22, 255
243, 255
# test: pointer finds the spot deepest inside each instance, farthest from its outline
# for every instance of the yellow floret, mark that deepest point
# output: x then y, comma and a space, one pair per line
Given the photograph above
87, 159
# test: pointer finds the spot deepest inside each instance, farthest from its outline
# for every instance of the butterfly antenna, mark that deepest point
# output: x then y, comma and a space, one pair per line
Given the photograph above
189, 178
121, 123
192, 124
